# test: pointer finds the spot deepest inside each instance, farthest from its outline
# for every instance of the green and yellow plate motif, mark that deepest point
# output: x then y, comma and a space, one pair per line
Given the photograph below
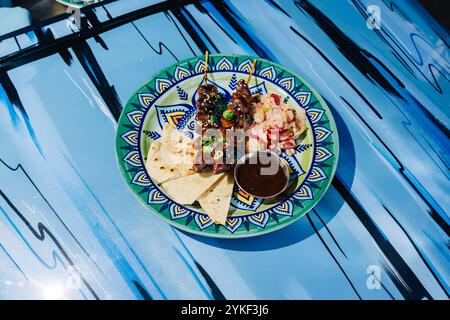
170, 97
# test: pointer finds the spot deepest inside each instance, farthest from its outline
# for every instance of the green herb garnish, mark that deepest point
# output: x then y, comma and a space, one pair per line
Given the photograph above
228, 114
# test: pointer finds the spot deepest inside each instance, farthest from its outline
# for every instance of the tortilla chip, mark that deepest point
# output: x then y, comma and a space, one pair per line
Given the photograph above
187, 189
216, 200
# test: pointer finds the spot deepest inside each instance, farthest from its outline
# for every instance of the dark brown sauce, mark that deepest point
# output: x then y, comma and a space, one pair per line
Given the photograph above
255, 177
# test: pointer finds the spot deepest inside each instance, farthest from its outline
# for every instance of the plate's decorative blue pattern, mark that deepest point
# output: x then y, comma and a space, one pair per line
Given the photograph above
169, 97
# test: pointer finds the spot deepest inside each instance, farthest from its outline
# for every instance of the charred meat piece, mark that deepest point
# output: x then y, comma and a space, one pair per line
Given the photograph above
220, 167
201, 167
238, 114
206, 106
212, 155
220, 152
213, 149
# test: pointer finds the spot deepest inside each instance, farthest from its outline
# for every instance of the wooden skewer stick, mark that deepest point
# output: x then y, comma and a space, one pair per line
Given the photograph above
251, 71
206, 67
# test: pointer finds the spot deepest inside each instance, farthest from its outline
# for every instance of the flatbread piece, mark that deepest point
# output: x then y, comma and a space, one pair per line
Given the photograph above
171, 157
187, 189
216, 200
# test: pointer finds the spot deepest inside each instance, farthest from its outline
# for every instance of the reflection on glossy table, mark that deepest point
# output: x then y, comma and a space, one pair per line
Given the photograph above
70, 228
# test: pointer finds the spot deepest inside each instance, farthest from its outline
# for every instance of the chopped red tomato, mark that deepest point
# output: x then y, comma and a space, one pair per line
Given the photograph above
276, 98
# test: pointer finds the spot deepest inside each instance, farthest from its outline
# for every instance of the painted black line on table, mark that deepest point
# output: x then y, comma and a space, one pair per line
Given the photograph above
332, 255
19, 166
418, 291
49, 21
181, 15
348, 48
14, 262
144, 293
38, 25
364, 14
160, 44
329, 232
48, 48
13, 97
41, 233
233, 21
350, 83
107, 12
435, 215
418, 251
11, 92
403, 62
169, 16
203, 10
215, 291
92, 17
439, 220
357, 56
195, 36
17, 43
92, 68
278, 7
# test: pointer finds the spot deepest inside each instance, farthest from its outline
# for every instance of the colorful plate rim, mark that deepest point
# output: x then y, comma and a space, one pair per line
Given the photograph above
123, 166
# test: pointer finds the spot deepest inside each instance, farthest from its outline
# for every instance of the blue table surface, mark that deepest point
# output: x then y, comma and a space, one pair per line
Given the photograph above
71, 229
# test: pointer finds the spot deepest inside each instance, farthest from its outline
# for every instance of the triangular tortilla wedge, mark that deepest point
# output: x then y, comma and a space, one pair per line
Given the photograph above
216, 200
187, 189
154, 148
160, 171
176, 148
169, 158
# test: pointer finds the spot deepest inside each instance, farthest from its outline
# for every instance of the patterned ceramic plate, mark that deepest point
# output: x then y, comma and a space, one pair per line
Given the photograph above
170, 97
